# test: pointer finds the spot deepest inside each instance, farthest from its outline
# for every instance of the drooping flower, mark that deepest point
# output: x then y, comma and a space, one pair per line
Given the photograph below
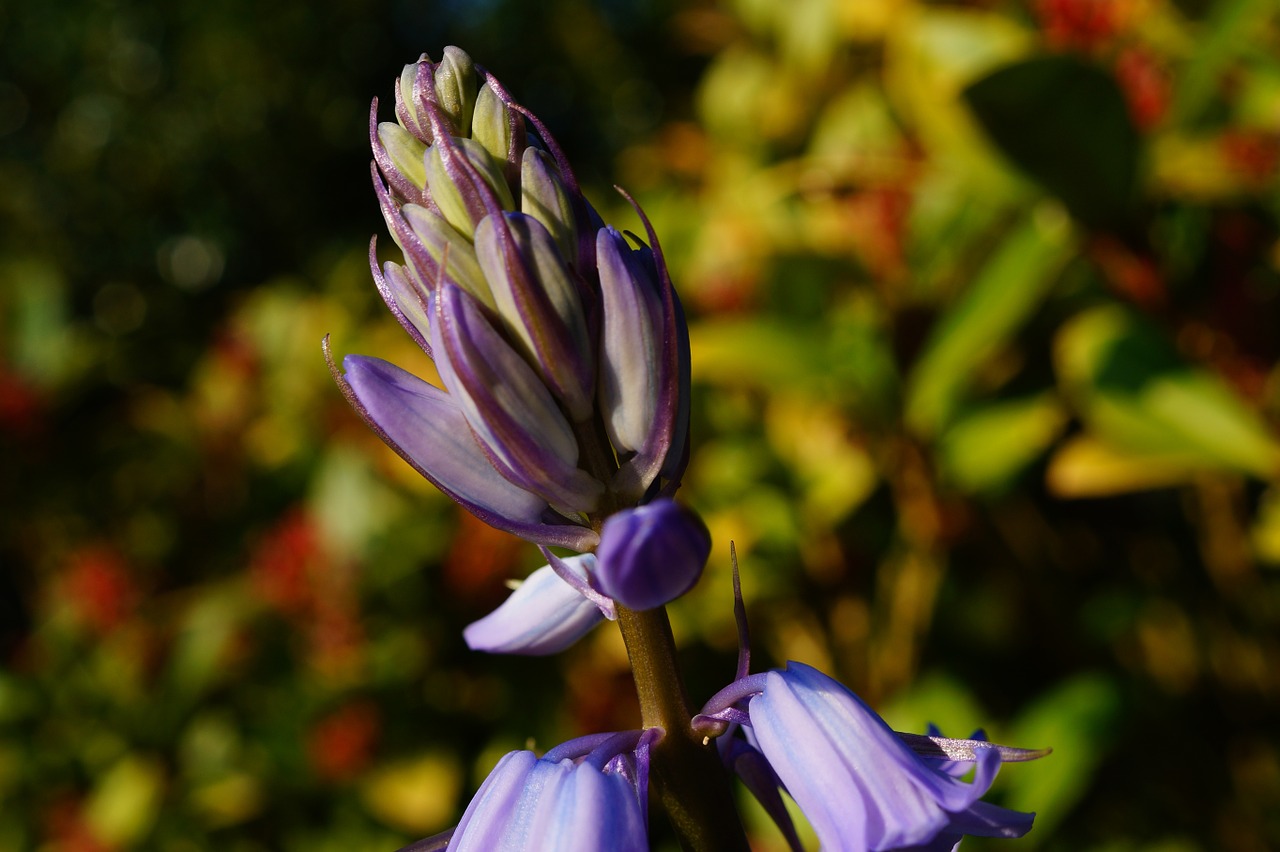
560, 343
861, 785
587, 794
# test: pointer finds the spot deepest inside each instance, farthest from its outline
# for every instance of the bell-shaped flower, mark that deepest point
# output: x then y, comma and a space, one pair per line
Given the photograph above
861, 785
587, 794
651, 555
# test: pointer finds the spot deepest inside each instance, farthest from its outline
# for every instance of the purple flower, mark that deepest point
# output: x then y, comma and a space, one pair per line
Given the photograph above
860, 784
590, 793
560, 344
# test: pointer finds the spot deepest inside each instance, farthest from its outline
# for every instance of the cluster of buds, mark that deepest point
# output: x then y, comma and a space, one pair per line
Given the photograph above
559, 340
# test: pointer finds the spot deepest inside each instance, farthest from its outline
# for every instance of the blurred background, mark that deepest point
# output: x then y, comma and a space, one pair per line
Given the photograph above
985, 300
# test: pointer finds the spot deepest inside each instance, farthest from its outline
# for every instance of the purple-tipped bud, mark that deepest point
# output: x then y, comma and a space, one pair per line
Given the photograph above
439, 239
512, 283
514, 418
631, 362
651, 555
405, 151
539, 304
465, 183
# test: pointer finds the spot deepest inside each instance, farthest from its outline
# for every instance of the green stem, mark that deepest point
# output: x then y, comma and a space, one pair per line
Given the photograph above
690, 780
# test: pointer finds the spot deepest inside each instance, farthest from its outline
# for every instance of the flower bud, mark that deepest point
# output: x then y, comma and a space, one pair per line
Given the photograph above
409, 101
498, 130
455, 85
631, 356
465, 183
539, 304
514, 418
651, 555
405, 151
440, 238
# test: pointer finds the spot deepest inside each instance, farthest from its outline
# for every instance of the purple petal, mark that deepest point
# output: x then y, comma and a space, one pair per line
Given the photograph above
544, 615
651, 555
584, 808
428, 430
527, 805
494, 804
858, 784
519, 425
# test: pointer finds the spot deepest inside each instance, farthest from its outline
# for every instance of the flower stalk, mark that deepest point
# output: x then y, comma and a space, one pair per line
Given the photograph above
690, 780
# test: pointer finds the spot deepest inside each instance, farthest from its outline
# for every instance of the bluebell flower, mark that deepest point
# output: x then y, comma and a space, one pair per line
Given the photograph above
861, 785
588, 794
560, 343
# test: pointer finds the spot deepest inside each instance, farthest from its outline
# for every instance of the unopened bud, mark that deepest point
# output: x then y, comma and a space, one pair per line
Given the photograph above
459, 187
455, 84
405, 151
441, 239
651, 555
492, 127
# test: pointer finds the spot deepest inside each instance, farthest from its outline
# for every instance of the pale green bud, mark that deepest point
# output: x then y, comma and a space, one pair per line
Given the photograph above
491, 125
405, 151
455, 82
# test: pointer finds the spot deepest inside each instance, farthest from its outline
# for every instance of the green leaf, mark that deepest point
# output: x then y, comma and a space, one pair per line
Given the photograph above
1138, 396
997, 303
1065, 123
986, 449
